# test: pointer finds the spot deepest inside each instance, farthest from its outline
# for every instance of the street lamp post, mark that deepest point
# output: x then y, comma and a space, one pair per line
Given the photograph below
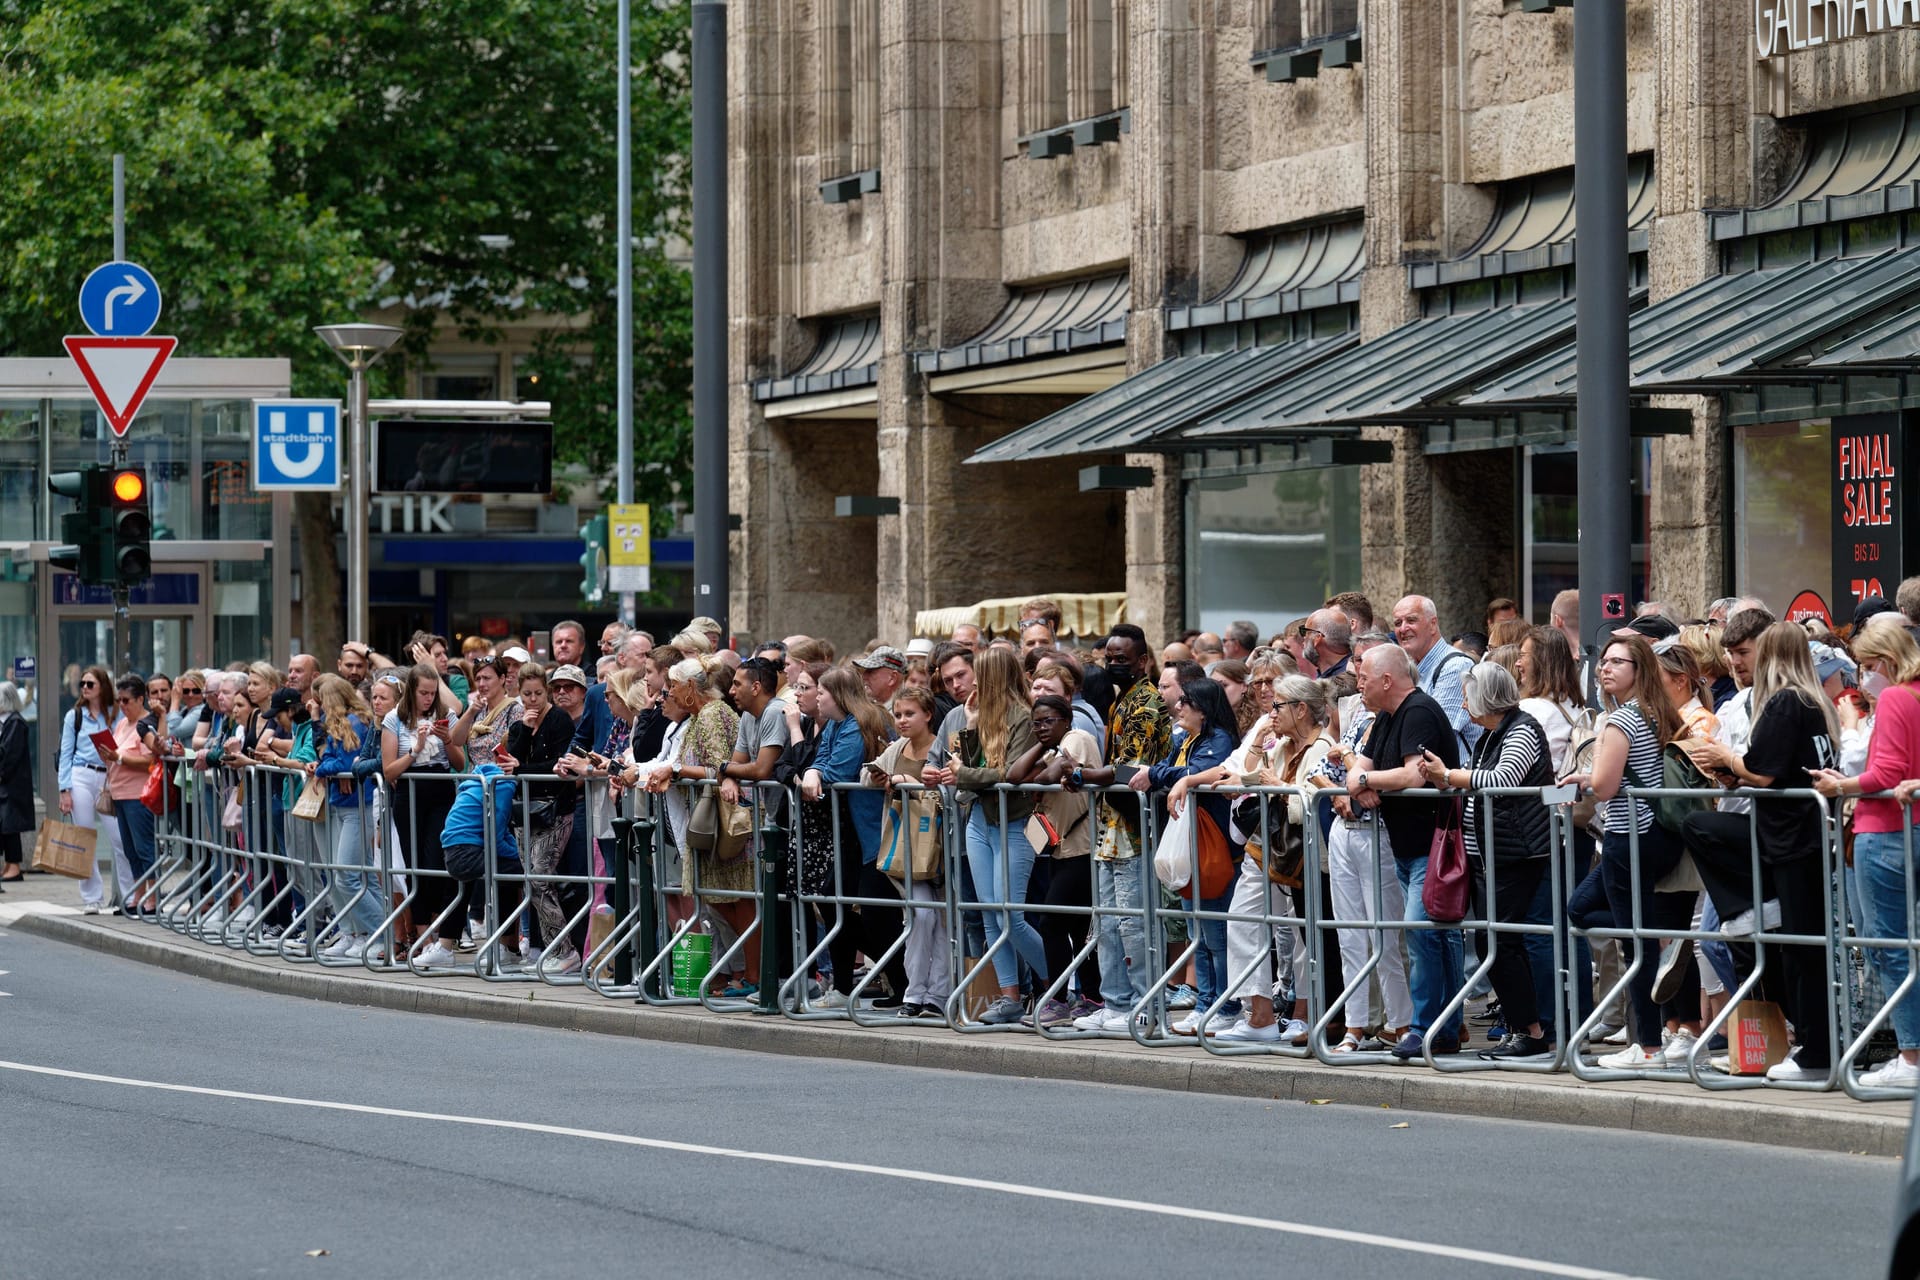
359, 347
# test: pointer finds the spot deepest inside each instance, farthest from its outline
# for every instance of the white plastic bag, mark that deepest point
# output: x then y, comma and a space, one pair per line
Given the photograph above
1173, 856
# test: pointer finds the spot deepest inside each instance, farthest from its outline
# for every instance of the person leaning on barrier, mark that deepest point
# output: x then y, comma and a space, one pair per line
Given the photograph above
534, 746
998, 730
1206, 739
928, 949
1061, 746
1794, 736
1138, 730
345, 723
855, 729
1513, 752
1879, 858
416, 756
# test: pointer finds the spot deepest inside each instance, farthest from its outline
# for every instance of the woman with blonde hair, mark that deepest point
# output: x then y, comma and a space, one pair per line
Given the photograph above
998, 731
1712, 661
359, 896
1795, 736
1882, 901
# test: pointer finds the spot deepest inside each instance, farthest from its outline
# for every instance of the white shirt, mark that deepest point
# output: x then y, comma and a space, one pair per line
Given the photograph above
1556, 720
1736, 725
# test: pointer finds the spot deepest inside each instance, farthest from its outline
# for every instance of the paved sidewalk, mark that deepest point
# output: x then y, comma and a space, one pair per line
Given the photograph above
49, 907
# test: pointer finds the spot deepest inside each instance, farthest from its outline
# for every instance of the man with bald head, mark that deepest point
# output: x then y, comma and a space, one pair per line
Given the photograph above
1416, 627
1329, 646
1408, 723
967, 636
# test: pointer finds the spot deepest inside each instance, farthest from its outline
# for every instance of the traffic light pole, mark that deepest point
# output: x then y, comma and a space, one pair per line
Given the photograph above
122, 659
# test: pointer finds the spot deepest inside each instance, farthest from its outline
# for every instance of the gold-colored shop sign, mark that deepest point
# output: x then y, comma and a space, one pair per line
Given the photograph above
1781, 27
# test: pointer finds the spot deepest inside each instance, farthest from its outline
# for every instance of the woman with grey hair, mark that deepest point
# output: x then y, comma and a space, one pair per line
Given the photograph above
1513, 752
1298, 719
16, 782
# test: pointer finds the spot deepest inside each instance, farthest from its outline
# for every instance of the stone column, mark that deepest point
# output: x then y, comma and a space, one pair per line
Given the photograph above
1165, 53
1704, 160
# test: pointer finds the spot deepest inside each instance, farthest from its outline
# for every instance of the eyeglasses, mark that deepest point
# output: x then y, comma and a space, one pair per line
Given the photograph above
1263, 682
1183, 703
1618, 662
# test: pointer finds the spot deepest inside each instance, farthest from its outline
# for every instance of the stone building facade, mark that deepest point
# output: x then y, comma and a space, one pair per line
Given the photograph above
952, 221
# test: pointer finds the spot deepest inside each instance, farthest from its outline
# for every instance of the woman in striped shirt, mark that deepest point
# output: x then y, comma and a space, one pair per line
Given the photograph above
1642, 721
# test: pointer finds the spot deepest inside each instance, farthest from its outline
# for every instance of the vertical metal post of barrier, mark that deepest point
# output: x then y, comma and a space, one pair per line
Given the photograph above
1698, 1069
772, 849
1889, 1000
626, 843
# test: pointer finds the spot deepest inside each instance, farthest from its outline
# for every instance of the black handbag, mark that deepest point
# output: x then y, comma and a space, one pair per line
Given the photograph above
531, 819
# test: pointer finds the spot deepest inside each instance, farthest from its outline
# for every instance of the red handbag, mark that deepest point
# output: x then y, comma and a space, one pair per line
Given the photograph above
160, 795
1445, 892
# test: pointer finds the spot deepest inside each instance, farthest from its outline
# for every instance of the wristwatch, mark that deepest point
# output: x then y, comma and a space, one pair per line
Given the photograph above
1361, 778
677, 766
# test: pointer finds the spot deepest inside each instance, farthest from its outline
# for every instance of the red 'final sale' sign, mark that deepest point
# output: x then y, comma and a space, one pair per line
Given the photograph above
1866, 509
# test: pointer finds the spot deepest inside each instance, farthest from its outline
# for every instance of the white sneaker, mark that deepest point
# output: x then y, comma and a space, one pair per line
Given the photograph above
1188, 1026
1295, 1032
357, 949
1633, 1058
1114, 1020
1094, 1021
1245, 1032
1678, 1048
1789, 1071
1895, 1073
1742, 925
830, 1000
90, 909
437, 956
214, 921
244, 916
340, 946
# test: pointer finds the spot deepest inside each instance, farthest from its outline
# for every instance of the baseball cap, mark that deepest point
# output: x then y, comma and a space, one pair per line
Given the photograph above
1829, 661
1651, 625
283, 700
884, 656
515, 654
565, 672
1867, 608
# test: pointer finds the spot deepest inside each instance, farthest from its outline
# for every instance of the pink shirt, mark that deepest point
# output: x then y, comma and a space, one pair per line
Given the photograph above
126, 782
1893, 756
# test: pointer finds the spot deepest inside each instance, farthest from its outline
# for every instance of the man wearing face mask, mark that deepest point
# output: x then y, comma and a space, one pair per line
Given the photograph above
1138, 732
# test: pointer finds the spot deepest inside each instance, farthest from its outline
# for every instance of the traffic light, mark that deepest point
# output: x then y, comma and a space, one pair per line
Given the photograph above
87, 539
593, 559
132, 527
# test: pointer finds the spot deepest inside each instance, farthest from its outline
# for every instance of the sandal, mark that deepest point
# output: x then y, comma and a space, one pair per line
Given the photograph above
740, 991
1349, 1043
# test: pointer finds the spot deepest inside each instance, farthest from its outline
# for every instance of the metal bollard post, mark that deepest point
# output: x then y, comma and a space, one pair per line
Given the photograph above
773, 869
623, 897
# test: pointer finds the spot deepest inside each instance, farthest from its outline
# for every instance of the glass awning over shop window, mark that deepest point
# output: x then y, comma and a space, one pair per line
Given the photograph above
1735, 330
1146, 412
1404, 376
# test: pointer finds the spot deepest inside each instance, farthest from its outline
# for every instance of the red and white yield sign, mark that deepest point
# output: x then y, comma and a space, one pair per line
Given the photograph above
120, 372
120, 303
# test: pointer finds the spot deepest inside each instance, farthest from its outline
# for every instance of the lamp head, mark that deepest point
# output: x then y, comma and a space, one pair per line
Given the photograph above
359, 345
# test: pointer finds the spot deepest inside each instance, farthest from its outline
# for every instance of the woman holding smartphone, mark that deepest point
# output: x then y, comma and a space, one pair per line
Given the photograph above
418, 758
490, 712
534, 746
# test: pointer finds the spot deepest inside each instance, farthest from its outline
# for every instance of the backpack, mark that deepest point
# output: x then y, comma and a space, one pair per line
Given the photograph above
1580, 745
1677, 773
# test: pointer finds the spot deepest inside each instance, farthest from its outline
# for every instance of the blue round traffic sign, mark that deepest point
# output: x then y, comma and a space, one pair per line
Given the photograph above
120, 300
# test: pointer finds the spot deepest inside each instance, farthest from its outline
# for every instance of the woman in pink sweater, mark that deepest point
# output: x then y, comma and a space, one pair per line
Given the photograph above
1879, 840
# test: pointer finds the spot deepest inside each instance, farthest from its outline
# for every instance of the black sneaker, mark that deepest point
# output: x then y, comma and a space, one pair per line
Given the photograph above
1518, 1045
906, 1011
1487, 1016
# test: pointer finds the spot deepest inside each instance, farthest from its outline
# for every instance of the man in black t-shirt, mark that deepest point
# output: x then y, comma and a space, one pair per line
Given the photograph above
1406, 723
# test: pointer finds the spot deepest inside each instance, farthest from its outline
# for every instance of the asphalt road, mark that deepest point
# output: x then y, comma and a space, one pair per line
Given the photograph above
681, 1161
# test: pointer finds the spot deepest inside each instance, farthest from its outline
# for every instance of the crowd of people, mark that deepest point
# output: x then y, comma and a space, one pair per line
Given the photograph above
1390, 732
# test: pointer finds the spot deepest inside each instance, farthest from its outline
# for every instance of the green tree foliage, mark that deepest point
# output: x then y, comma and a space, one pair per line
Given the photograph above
299, 162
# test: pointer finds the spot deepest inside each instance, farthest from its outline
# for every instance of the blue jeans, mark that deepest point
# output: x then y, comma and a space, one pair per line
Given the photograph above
1210, 976
136, 836
1438, 956
1883, 905
351, 851
1123, 939
998, 882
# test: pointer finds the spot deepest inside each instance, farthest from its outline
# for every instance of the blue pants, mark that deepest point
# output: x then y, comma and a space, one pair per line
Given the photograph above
1005, 881
136, 835
1438, 956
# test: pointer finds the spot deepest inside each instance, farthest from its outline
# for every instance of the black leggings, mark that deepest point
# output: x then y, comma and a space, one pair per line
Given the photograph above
420, 803
1515, 882
868, 929
1064, 933
10, 848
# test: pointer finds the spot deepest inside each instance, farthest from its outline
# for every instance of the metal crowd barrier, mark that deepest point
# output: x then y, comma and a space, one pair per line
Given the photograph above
227, 886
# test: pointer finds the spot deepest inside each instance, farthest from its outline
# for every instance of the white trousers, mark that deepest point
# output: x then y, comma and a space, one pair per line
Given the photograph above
1249, 942
86, 785
1365, 888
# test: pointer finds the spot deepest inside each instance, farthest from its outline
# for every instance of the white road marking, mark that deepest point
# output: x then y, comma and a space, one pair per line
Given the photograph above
12, 911
1429, 1249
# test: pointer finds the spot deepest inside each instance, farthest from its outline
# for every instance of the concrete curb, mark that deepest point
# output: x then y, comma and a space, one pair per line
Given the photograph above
1780, 1120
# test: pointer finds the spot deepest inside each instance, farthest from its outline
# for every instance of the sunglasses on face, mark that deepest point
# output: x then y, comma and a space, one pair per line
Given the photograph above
189, 692
89, 684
